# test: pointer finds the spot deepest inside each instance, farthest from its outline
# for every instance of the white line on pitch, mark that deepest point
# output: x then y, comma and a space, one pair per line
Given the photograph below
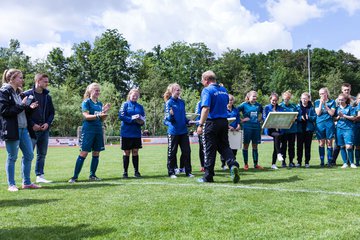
214, 185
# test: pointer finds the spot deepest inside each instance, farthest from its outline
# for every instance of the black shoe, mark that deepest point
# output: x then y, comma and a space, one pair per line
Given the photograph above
94, 178
137, 175
125, 175
291, 165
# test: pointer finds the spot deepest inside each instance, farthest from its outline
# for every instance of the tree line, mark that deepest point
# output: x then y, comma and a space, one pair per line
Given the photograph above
110, 61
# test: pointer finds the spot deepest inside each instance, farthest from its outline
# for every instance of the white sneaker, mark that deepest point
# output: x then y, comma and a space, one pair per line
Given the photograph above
353, 166
41, 179
274, 167
173, 176
280, 157
224, 168
13, 188
307, 165
345, 165
177, 171
190, 175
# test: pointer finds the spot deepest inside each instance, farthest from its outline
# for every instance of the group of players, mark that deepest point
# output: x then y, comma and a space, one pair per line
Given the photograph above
329, 119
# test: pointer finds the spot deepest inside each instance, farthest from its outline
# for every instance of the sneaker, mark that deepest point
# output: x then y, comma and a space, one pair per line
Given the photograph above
344, 165
234, 174
274, 167
246, 167
41, 179
291, 165
202, 169
353, 166
181, 170
94, 178
299, 165
125, 175
190, 175
30, 186
307, 165
203, 180
72, 180
280, 157
13, 188
177, 171
137, 174
259, 167
283, 165
224, 168
173, 176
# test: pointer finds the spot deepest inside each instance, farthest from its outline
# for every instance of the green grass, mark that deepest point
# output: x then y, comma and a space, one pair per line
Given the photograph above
284, 204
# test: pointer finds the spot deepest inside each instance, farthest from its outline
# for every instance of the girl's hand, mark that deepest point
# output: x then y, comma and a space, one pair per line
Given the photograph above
34, 105
106, 108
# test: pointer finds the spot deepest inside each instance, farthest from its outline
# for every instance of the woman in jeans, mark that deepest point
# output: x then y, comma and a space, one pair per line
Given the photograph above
16, 127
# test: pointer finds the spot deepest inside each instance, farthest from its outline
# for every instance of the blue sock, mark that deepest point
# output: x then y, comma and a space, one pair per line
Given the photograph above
322, 154
78, 165
94, 165
350, 153
255, 155
329, 155
357, 156
245, 153
343, 155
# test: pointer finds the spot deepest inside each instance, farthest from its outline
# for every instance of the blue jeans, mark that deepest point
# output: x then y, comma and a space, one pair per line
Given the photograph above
12, 148
41, 143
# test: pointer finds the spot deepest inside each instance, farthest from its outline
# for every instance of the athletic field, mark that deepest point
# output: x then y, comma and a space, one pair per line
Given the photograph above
296, 203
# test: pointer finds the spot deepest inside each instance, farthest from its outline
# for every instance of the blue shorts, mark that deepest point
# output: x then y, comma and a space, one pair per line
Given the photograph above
325, 130
357, 134
344, 137
252, 135
91, 142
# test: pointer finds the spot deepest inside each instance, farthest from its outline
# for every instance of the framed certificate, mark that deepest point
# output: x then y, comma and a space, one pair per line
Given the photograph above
192, 116
281, 120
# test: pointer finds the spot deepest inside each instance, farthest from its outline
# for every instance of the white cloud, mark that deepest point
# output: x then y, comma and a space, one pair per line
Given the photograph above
292, 13
220, 24
351, 6
352, 47
41, 50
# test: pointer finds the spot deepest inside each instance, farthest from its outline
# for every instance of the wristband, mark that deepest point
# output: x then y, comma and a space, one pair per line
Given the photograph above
97, 116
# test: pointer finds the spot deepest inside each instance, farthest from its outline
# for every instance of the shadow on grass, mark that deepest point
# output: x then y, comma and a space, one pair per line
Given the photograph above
81, 231
271, 181
78, 185
24, 202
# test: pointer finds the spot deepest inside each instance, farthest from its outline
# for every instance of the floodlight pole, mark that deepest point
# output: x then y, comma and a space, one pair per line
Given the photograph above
309, 72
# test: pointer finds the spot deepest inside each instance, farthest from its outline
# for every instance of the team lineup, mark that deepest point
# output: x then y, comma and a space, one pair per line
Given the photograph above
26, 118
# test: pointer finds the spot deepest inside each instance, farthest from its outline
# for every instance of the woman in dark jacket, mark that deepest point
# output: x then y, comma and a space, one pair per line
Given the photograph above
16, 127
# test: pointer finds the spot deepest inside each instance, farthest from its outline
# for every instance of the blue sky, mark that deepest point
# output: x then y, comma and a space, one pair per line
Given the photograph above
250, 25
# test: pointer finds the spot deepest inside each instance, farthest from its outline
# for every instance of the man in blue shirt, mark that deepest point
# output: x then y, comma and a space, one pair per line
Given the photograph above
213, 125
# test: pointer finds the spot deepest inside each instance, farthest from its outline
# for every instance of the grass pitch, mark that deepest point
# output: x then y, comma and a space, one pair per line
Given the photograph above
294, 203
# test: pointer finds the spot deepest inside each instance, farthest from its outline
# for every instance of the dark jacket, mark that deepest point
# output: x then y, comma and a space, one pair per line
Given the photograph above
8, 115
45, 115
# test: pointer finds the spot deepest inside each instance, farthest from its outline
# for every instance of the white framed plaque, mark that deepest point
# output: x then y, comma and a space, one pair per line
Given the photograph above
281, 120
235, 139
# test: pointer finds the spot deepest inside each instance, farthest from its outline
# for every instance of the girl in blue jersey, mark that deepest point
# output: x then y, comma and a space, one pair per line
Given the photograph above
325, 127
289, 135
251, 116
233, 112
132, 116
345, 115
357, 130
176, 121
306, 127
275, 133
91, 139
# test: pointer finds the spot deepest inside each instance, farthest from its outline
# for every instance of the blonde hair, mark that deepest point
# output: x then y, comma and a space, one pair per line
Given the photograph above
326, 91
10, 74
306, 94
134, 90
247, 97
169, 91
274, 94
89, 88
286, 93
